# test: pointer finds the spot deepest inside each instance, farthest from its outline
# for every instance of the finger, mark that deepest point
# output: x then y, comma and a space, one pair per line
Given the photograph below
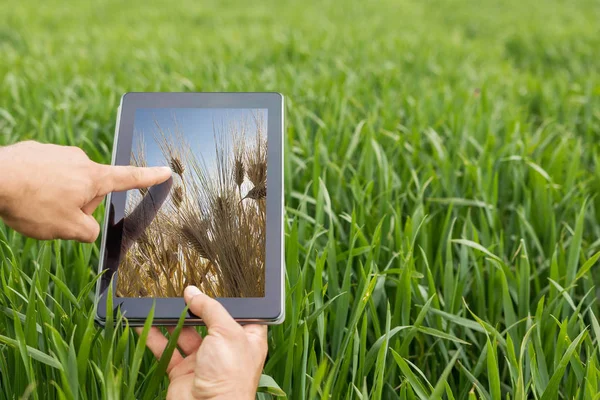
257, 337
157, 343
189, 339
84, 228
256, 331
92, 205
118, 178
184, 368
214, 315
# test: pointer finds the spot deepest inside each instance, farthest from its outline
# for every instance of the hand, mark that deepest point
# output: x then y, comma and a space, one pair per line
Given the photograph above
225, 364
50, 192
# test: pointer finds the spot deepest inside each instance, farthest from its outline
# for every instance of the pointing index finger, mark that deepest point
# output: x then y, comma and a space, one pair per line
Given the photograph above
119, 178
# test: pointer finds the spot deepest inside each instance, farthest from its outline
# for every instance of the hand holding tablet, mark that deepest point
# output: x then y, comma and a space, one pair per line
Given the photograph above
228, 350
213, 224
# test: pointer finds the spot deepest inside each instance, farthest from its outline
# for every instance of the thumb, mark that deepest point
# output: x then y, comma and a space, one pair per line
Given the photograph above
87, 228
118, 178
213, 314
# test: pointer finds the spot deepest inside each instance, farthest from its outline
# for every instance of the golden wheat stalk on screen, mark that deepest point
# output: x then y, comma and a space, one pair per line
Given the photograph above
211, 230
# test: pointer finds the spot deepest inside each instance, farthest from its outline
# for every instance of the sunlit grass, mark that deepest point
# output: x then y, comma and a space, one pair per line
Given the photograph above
442, 177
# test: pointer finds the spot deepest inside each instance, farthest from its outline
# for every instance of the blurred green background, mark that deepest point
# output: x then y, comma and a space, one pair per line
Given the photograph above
441, 186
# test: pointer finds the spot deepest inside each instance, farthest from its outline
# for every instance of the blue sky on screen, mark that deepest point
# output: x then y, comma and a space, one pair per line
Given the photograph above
196, 125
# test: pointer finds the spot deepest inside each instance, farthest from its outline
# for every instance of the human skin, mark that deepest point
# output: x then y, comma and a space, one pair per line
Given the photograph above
225, 364
50, 192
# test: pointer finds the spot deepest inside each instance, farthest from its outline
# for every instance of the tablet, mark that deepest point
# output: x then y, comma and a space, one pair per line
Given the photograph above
213, 224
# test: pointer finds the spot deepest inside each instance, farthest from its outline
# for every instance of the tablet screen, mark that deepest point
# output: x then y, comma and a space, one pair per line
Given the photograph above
206, 226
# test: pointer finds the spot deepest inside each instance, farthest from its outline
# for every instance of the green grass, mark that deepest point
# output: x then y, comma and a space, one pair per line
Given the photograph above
442, 179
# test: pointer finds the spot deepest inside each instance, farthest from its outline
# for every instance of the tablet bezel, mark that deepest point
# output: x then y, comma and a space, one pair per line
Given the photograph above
268, 309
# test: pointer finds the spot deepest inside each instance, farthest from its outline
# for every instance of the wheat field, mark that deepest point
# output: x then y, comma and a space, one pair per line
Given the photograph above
442, 172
